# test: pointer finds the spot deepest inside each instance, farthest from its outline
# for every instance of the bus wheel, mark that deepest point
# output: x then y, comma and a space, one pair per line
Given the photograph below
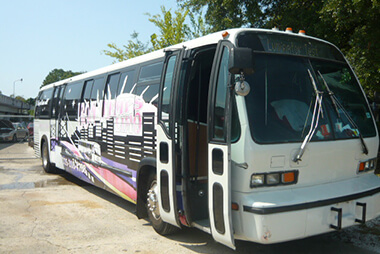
153, 209
48, 167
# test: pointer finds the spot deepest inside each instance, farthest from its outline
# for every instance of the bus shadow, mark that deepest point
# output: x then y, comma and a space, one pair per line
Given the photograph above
201, 242
110, 197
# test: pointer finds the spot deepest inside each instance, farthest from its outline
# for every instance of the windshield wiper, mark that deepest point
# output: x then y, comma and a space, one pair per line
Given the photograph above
337, 104
317, 112
331, 94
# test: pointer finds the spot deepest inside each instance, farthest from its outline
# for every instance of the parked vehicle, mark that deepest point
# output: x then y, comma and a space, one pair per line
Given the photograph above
30, 128
20, 130
12, 131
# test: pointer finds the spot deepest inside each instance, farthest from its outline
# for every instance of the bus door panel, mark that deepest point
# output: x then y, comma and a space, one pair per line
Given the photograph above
54, 125
166, 137
219, 147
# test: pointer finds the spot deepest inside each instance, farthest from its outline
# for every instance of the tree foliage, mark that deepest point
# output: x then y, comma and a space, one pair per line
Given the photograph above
352, 25
57, 75
172, 30
133, 48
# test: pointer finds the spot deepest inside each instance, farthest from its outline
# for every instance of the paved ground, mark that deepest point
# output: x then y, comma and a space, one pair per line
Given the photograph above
41, 213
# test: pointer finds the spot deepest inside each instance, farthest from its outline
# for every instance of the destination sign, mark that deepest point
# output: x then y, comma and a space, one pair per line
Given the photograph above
288, 44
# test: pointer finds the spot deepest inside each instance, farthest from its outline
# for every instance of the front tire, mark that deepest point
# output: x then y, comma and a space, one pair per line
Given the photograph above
153, 209
14, 139
46, 164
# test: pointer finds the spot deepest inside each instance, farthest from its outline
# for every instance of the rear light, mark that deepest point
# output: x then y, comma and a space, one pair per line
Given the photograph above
274, 178
368, 165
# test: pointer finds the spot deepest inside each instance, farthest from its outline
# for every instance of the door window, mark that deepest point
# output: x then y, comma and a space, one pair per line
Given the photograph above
220, 98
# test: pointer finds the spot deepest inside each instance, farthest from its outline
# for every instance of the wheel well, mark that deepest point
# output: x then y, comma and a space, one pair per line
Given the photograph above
43, 140
142, 188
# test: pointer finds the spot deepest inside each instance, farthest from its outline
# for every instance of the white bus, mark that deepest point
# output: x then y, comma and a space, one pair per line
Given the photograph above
249, 134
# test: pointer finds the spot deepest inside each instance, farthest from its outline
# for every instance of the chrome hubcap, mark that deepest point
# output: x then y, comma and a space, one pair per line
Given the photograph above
152, 201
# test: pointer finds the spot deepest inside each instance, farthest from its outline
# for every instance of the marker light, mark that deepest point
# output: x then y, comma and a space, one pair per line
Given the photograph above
289, 30
301, 32
225, 34
235, 206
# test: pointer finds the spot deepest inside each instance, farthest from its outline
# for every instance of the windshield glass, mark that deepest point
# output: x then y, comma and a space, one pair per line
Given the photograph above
282, 98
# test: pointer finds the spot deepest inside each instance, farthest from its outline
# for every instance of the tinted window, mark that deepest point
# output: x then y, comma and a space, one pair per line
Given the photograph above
112, 84
166, 91
97, 89
71, 100
150, 72
87, 89
220, 97
43, 103
126, 82
148, 92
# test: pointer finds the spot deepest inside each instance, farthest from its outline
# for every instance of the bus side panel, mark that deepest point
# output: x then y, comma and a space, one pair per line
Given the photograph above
106, 151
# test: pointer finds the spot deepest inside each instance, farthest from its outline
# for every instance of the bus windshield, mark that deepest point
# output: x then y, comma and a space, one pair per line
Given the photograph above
282, 99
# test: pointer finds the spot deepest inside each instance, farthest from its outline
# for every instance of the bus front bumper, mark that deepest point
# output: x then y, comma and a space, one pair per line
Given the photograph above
288, 214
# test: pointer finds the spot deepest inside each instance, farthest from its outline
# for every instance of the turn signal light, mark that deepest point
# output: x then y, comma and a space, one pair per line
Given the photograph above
368, 165
288, 177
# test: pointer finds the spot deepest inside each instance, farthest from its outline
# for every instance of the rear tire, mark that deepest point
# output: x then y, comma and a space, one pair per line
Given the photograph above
48, 167
153, 209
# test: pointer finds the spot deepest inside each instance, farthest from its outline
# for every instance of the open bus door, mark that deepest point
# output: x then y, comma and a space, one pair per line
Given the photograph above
219, 147
166, 137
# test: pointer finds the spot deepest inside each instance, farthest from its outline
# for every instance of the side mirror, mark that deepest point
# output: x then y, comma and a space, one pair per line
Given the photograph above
242, 88
241, 61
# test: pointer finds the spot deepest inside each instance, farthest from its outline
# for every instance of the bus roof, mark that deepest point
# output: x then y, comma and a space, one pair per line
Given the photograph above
198, 42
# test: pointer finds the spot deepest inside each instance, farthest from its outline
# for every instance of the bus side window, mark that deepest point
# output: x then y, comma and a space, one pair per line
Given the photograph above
97, 91
71, 100
111, 87
126, 82
43, 103
148, 92
87, 90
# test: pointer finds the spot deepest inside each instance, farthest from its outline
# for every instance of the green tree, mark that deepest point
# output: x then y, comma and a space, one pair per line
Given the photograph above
57, 75
31, 101
223, 14
20, 98
352, 25
172, 30
355, 28
133, 48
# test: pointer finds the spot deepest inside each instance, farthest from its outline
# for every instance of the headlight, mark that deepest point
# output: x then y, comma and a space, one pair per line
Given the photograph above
274, 178
257, 180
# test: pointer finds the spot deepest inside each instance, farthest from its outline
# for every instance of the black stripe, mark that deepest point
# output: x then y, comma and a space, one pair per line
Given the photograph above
289, 208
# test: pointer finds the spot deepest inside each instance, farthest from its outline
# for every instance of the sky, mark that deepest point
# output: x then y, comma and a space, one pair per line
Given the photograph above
37, 36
